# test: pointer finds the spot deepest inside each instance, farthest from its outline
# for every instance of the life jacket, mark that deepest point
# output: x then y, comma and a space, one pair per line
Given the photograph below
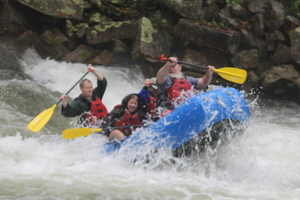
97, 111
152, 104
118, 106
126, 120
179, 86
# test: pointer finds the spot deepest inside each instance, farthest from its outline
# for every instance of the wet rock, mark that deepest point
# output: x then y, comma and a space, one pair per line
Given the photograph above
280, 36
211, 37
70, 28
282, 82
87, 5
80, 55
81, 29
247, 59
26, 40
225, 13
57, 8
96, 3
215, 1
250, 40
261, 47
119, 47
107, 31
253, 79
274, 16
67, 42
281, 54
102, 58
295, 45
205, 57
150, 43
238, 11
12, 20
258, 25
271, 41
290, 23
191, 9
210, 11
50, 44
286, 72
95, 18
256, 6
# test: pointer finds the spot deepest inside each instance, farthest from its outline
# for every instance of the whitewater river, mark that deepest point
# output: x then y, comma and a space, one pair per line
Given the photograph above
263, 163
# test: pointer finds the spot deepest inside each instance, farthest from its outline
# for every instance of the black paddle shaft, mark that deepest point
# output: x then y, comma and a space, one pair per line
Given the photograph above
129, 126
73, 86
185, 63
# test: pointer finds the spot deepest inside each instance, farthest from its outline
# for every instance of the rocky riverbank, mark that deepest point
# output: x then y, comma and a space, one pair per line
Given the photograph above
261, 37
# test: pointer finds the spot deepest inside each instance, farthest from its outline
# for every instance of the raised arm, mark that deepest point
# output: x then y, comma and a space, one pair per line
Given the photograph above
97, 74
164, 71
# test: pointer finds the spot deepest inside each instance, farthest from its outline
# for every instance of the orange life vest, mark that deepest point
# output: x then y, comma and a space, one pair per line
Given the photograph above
97, 111
179, 86
152, 104
126, 120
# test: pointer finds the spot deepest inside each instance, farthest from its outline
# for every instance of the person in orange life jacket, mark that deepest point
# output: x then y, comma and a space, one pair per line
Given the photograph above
172, 82
88, 105
130, 112
149, 94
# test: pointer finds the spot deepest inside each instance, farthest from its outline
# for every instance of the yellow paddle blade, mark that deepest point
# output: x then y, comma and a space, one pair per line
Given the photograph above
78, 132
235, 75
39, 121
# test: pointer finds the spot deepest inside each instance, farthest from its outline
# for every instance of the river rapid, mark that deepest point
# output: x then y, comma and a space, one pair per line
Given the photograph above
263, 163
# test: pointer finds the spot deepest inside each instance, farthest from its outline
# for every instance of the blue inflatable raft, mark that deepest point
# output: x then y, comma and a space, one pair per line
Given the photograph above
205, 119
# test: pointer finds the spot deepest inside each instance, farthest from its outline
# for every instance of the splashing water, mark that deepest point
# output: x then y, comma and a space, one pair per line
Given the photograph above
263, 163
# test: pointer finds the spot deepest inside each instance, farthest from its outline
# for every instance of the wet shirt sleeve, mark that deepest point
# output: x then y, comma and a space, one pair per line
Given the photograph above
76, 108
101, 87
144, 95
166, 85
192, 81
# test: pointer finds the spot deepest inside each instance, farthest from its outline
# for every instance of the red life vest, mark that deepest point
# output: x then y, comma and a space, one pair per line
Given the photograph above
179, 86
152, 104
126, 120
97, 111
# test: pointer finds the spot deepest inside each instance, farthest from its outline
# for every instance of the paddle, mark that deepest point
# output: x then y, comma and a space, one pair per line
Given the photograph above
41, 120
78, 132
235, 75
81, 132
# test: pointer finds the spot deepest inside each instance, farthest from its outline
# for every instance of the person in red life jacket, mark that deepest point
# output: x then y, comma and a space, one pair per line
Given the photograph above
172, 83
88, 105
129, 114
149, 94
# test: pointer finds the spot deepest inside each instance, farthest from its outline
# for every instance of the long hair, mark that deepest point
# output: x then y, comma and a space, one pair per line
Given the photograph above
133, 96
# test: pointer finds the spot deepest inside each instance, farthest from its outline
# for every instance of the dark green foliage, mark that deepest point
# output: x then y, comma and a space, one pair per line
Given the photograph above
291, 7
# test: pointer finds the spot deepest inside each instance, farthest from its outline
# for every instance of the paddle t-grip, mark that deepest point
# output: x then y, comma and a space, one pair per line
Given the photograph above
162, 58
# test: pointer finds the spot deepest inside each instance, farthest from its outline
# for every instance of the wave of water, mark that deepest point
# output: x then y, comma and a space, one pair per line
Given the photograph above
263, 163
